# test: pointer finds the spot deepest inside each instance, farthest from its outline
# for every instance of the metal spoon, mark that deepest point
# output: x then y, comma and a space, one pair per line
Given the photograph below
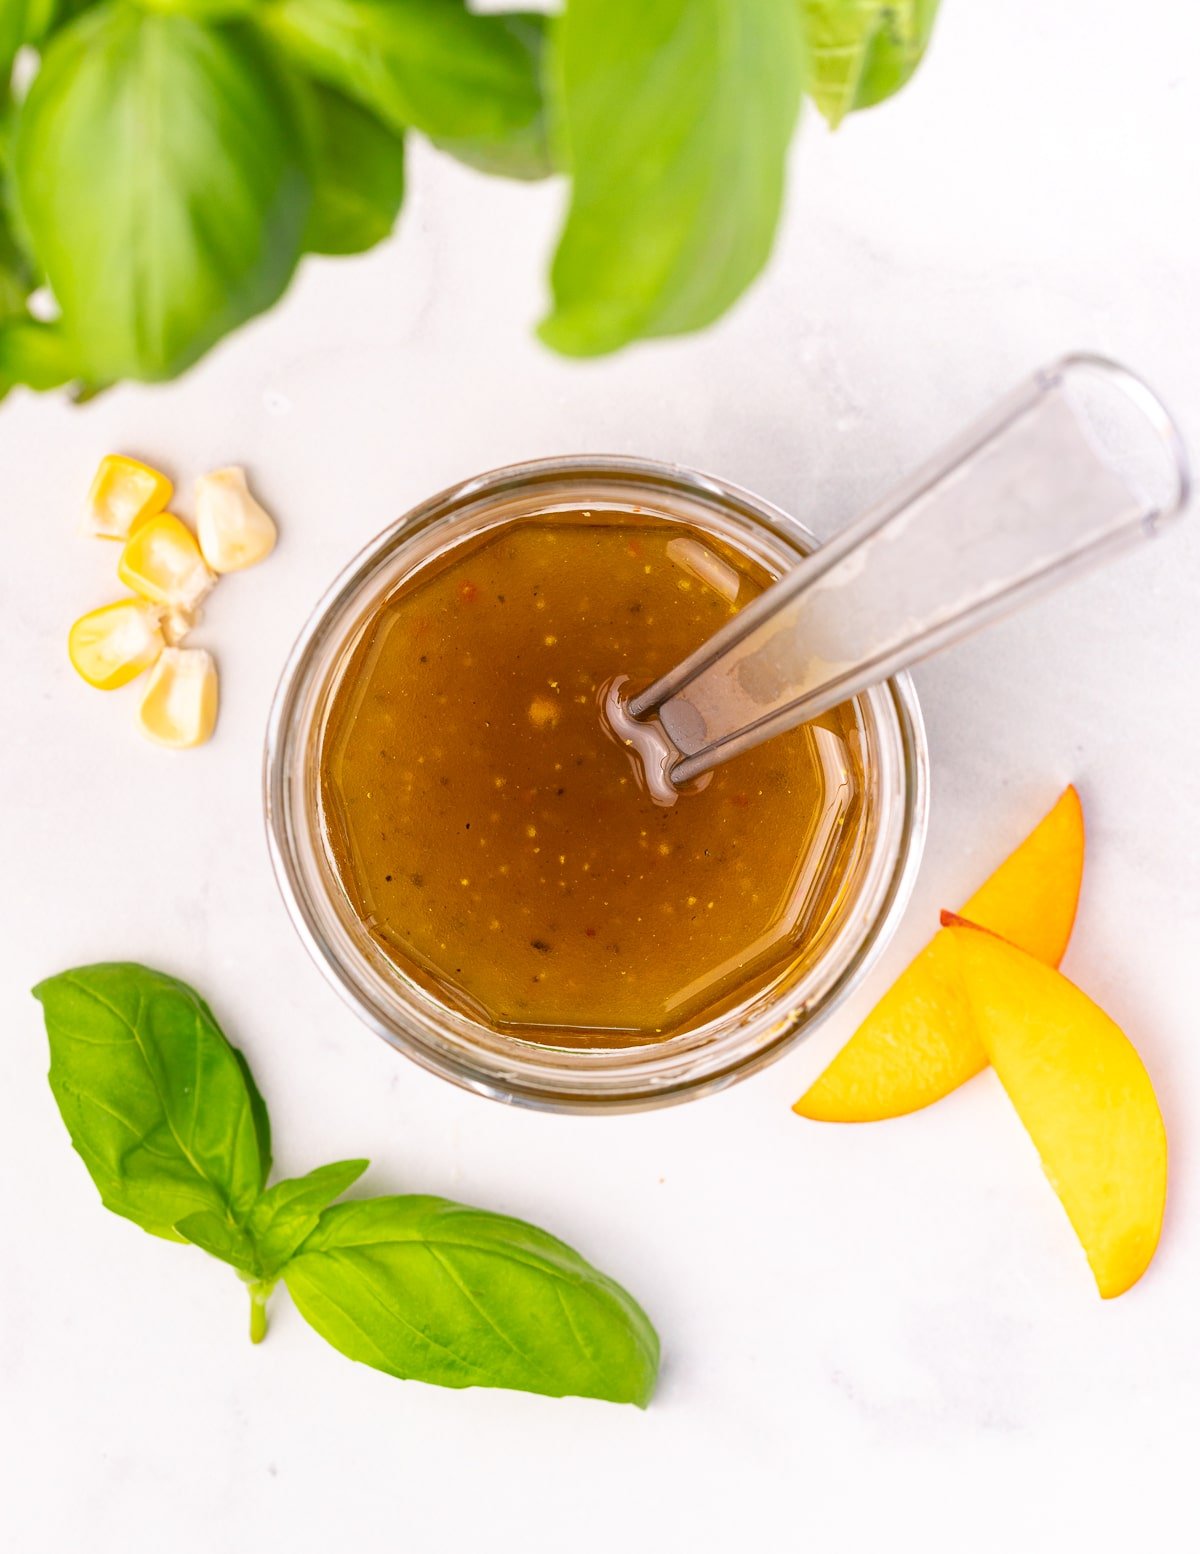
1075, 466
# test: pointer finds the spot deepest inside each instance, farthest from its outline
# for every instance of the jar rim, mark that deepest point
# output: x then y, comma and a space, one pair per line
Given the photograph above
713, 1054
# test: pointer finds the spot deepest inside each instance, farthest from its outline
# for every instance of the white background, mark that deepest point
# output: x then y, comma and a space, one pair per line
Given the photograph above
874, 1337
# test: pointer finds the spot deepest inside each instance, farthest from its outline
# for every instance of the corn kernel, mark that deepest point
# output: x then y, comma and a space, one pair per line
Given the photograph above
162, 562
179, 708
235, 532
112, 645
123, 495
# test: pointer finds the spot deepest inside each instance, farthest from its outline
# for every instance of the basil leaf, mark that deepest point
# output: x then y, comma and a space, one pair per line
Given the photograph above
523, 149
433, 1291
204, 10
676, 117
159, 1106
289, 1211
216, 1236
33, 354
13, 27
426, 64
161, 174
32, 22
13, 290
45, 17
863, 51
16, 280
359, 177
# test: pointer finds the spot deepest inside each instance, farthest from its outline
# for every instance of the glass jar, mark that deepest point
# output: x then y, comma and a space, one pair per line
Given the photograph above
451, 1043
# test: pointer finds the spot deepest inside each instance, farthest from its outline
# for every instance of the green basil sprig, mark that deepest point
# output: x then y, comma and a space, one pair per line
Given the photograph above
165, 1114
174, 160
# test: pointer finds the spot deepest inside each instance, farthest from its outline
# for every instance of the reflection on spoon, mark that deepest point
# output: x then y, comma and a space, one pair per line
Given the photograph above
651, 753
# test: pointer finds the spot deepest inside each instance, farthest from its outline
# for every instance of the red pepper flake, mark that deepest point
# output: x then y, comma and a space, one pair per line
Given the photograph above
591, 932
740, 799
467, 593
635, 548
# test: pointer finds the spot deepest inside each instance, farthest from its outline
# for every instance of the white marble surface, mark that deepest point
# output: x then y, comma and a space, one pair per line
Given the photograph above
873, 1337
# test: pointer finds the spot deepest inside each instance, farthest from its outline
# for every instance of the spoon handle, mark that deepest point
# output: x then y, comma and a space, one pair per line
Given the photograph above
1078, 464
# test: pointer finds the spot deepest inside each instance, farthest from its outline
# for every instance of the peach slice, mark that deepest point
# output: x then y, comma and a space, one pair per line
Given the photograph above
1082, 1092
918, 1043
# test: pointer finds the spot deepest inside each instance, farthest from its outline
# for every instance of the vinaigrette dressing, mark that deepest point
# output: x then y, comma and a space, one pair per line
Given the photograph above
493, 836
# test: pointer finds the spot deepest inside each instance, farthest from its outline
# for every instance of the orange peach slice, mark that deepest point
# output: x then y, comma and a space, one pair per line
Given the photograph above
1082, 1092
918, 1043
1032, 897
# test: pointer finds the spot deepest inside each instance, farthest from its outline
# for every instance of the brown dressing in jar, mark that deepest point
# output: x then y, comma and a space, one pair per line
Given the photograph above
494, 839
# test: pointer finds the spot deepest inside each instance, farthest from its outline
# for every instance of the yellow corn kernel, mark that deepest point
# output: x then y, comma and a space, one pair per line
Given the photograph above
124, 494
234, 531
161, 561
179, 708
112, 645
